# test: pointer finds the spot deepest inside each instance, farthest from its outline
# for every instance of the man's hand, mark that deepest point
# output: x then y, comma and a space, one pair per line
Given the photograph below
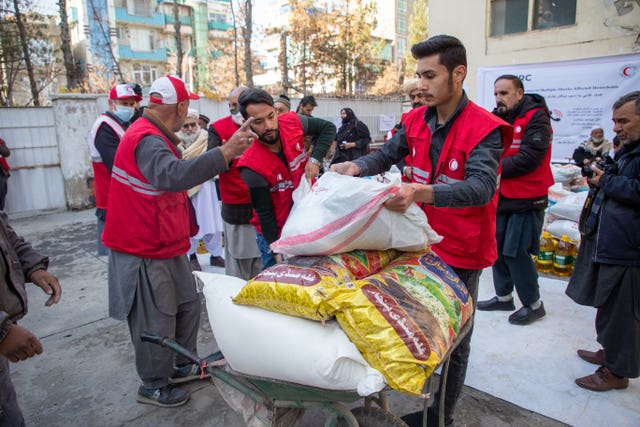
49, 284
346, 168
311, 170
279, 258
401, 200
239, 141
597, 173
20, 344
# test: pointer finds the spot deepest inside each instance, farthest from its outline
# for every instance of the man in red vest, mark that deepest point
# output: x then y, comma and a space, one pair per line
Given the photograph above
525, 181
241, 253
273, 167
148, 228
4, 171
103, 142
455, 148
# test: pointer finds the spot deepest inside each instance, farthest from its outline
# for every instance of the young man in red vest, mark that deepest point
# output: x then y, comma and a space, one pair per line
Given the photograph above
241, 253
455, 148
148, 228
273, 167
525, 181
104, 138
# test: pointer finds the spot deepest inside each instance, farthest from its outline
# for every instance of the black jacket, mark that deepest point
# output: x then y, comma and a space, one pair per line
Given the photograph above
352, 130
536, 140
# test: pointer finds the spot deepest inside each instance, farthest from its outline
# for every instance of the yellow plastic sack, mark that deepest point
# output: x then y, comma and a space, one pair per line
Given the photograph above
300, 286
404, 319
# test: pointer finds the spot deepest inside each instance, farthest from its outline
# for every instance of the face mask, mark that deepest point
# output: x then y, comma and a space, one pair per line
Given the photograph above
124, 113
236, 116
597, 141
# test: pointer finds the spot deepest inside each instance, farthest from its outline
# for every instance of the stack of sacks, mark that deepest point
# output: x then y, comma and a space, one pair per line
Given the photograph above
567, 175
403, 311
563, 216
266, 344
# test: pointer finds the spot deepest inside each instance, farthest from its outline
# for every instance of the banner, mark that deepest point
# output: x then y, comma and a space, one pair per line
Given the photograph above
579, 94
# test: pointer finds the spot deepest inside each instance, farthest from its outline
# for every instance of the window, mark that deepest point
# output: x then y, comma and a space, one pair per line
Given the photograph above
140, 40
402, 25
144, 74
402, 47
402, 6
509, 16
512, 16
553, 13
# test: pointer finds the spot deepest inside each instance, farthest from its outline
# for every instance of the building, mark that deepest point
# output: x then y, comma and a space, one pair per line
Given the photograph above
580, 55
501, 32
135, 40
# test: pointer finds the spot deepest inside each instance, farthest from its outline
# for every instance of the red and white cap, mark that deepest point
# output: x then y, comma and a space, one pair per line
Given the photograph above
123, 91
172, 89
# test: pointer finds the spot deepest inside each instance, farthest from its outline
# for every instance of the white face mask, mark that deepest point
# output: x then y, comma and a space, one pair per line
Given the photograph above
124, 113
236, 116
597, 140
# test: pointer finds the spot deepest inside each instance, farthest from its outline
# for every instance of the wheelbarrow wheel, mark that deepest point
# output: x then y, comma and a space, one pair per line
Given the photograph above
374, 417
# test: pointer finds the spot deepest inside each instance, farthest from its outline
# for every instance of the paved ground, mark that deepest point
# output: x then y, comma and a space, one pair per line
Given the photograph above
86, 376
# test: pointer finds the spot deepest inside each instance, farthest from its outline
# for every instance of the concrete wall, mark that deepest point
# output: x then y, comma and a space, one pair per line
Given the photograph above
50, 152
600, 30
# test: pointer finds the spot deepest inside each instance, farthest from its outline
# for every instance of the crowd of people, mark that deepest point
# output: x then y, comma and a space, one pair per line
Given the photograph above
168, 179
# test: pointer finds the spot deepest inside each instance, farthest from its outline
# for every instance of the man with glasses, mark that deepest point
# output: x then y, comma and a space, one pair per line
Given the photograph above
204, 197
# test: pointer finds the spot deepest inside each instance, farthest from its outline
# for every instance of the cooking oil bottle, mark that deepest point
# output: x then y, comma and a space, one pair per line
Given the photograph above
563, 257
544, 260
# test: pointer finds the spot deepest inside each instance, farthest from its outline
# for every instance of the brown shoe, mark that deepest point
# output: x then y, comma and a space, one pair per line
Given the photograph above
602, 380
195, 264
595, 357
216, 261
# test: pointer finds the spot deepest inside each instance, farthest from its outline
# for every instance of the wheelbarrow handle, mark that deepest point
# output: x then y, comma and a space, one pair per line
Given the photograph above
171, 344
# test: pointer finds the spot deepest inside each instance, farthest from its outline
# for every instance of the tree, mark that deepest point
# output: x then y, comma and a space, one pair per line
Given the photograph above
247, 31
176, 26
417, 33
73, 79
24, 44
306, 31
27, 53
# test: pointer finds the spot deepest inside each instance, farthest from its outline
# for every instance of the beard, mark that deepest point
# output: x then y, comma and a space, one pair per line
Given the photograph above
187, 139
269, 137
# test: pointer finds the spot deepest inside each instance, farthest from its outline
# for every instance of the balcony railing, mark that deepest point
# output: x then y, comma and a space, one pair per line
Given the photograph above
158, 54
155, 20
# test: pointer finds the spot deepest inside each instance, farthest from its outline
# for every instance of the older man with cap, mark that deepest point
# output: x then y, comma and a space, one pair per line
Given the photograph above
204, 197
103, 142
148, 228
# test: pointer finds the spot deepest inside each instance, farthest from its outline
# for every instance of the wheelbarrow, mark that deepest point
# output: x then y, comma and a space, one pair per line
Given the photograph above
275, 394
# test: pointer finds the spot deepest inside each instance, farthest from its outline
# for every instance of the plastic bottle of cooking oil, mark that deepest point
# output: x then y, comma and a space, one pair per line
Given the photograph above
563, 257
544, 260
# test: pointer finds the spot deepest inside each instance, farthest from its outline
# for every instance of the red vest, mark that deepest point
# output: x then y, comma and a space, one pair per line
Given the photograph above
101, 175
143, 220
470, 232
282, 179
233, 190
537, 182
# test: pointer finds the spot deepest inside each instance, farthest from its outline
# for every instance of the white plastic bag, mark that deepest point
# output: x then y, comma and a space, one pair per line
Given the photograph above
341, 213
564, 226
569, 207
262, 343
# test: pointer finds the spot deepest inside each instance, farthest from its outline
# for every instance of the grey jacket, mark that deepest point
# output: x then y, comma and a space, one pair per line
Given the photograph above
19, 260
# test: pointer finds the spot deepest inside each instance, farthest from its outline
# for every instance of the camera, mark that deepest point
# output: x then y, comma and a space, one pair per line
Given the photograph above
607, 165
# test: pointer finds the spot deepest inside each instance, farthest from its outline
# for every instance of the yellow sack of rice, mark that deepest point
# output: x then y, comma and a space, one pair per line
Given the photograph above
299, 286
404, 319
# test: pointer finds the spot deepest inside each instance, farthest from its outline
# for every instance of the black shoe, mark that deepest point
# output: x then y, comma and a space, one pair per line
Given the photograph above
495, 304
414, 419
527, 315
167, 397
